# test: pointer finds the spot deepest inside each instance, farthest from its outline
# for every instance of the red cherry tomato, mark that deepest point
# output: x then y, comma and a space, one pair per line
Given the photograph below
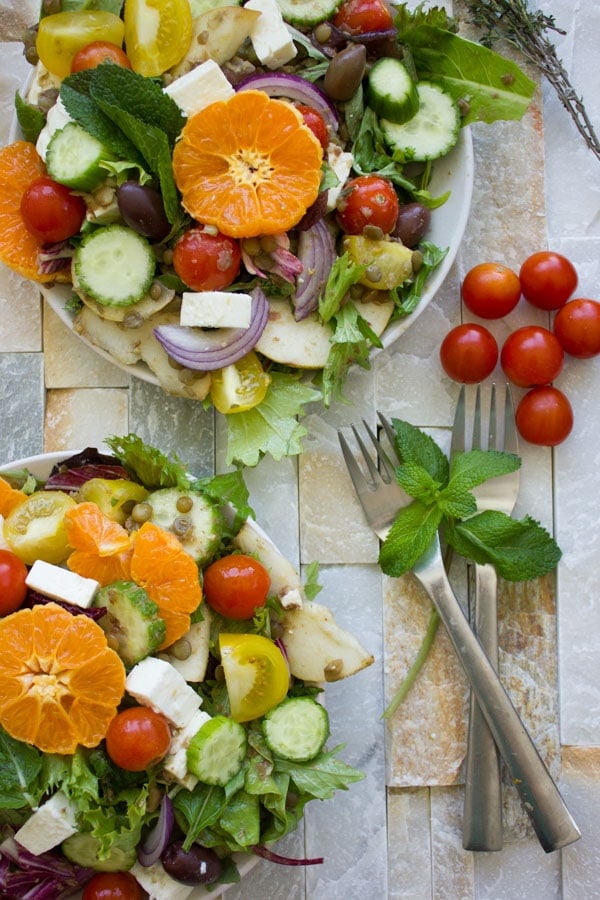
50, 211
491, 290
363, 16
367, 200
547, 279
112, 886
315, 121
469, 353
577, 327
137, 738
544, 416
98, 52
206, 261
235, 586
13, 589
531, 356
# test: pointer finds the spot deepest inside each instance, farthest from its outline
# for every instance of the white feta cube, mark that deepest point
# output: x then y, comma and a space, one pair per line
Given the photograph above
61, 584
51, 824
270, 37
215, 309
341, 163
155, 683
200, 87
175, 762
158, 884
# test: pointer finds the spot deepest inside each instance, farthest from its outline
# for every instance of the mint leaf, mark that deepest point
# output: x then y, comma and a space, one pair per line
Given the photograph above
410, 535
467, 470
414, 446
272, 426
417, 482
519, 549
456, 503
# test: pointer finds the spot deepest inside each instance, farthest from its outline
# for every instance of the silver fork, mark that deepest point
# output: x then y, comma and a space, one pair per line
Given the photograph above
381, 498
482, 820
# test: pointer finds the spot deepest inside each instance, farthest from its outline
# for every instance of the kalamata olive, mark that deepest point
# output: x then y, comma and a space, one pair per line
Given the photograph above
345, 72
198, 865
412, 224
141, 207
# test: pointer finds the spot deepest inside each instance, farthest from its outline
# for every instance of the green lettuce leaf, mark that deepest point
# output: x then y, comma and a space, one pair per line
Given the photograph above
149, 465
20, 771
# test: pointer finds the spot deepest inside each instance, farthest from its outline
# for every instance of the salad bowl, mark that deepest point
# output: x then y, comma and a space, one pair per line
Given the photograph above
251, 539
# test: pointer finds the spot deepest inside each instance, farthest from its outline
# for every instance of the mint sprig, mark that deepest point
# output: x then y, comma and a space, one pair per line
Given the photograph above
443, 500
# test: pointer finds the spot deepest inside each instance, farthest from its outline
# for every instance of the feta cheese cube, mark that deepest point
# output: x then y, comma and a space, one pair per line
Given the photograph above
61, 584
341, 163
51, 824
175, 762
156, 683
200, 87
215, 309
158, 884
270, 37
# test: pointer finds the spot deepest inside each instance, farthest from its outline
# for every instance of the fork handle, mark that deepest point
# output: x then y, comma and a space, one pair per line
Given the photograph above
549, 815
482, 819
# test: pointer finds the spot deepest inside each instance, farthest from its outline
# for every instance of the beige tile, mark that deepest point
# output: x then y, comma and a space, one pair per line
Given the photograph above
80, 418
409, 845
20, 314
69, 363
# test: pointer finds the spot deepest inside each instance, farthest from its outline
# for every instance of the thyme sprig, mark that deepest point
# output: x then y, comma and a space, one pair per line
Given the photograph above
511, 20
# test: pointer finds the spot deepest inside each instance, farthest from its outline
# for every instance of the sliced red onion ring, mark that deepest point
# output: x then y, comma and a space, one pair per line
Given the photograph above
316, 250
157, 839
207, 350
282, 84
265, 853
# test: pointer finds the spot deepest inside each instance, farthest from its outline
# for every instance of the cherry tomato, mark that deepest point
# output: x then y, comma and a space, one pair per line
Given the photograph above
236, 585
137, 738
547, 279
62, 34
469, 353
13, 589
158, 34
35, 528
206, 261
97, 52
315, 121
531, 356
363, 16
240, 386
491, 290
50, 211
544, 416
256, 674
367, 200
112, 886
577, 327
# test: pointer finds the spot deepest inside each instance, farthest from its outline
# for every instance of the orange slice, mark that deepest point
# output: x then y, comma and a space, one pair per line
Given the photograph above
248, 165
91, 530
9, 497
60, 683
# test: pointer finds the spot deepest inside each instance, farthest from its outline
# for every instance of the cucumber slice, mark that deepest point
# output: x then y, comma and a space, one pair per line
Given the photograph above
114, 265
83, 849
195, 520
297, 728
392, 93
433, 130
73, 158
216, 752
132, 624
308, 12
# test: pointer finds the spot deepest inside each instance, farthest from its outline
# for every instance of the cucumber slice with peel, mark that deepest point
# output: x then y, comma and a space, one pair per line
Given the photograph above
296, 729
392, 93
197, 521
433, 130
133, 625
216, 752
114, 265
307, 12
73, 158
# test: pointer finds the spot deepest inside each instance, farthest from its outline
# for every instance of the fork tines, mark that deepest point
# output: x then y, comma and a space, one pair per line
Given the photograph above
493, 432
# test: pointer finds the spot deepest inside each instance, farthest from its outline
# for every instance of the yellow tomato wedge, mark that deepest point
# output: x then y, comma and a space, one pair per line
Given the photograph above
61, 35
256, 674
240, 386
158, 34
35, 529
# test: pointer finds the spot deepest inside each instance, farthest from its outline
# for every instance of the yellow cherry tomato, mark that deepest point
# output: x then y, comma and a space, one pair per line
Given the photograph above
61, 35
389, 262
158, 34
35, 529
256, 674
116, 497
240, 386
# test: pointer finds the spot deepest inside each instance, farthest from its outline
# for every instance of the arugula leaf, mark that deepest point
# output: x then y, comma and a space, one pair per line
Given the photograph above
30, 118
311, 584
410, 535
342, 275
20, 768
322, 776
519, 549
199, 809
272, 426
407, 296
229, 487
351, 344
148, 464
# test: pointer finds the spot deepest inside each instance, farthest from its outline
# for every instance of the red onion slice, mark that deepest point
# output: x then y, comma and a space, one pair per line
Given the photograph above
207, 350
282, 84
157, 839
316, 250
265, 853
